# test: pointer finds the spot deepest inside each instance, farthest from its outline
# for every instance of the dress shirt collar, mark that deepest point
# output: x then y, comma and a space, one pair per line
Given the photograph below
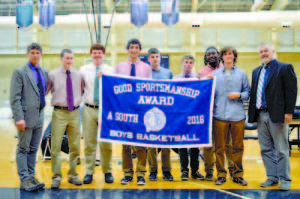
32, 67
233, 68
269, 64
63, 70
136, 62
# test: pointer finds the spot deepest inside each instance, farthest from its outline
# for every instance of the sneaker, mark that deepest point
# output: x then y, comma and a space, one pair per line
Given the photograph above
269, 183
55, 184
37, 183
88, 179
126, 180
108, 178
75, 181
209, 177
141, 180
185, 176
153, 176
220, 181
197, 175
240, 181
28, 186
167, 176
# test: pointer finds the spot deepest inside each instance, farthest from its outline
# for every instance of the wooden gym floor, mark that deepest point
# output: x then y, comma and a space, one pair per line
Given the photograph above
253, 167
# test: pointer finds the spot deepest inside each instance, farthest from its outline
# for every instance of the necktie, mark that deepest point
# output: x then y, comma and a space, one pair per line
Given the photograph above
96, 87
186, 76
41, 89
260, 88
132, 72
70, 99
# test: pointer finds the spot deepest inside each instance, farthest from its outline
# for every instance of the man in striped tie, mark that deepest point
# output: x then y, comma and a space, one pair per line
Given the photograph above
272, 103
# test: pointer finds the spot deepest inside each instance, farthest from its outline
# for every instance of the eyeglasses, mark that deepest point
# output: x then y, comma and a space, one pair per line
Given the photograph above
187, 62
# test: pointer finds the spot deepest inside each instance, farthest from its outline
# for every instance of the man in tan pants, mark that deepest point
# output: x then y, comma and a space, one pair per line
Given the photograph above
90, 116
66, 85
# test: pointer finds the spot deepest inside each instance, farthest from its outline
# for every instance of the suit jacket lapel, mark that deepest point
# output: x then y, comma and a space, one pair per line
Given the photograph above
257, 78
31, 78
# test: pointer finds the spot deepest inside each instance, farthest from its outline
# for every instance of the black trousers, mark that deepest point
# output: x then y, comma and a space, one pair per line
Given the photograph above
194, 159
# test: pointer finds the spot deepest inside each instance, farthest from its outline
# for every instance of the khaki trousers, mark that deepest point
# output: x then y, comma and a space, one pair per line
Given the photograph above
220, 129
63, 120
90, 132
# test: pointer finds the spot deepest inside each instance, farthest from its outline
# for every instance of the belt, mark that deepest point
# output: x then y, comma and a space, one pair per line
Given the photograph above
262, 109
91, 106
65, 108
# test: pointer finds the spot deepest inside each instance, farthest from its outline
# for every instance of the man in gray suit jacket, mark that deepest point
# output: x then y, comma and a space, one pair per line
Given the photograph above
27, 100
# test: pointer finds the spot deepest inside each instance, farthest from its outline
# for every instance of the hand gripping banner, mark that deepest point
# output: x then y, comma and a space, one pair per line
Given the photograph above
156, 113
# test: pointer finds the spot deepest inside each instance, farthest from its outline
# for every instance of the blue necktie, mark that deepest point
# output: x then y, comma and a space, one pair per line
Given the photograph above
41, 89
187, 76
132, 72
96, 87
260, 88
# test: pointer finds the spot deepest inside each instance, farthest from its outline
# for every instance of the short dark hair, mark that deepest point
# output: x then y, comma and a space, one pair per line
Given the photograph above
153, 51
205, 57
188, 57
228, 49
65, 50
97, 46
134, 41
34, 46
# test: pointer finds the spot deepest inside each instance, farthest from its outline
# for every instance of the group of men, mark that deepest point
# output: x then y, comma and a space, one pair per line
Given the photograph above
272, 101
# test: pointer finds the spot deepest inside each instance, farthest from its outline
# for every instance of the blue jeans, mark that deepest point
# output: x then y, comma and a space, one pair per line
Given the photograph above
274, 145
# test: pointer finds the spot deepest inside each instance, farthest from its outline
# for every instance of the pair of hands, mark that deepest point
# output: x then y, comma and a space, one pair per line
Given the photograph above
231, 95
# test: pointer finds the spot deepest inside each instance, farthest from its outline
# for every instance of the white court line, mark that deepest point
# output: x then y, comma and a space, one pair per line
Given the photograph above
220, 190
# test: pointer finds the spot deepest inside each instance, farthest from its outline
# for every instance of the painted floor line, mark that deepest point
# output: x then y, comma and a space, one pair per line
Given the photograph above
220, 190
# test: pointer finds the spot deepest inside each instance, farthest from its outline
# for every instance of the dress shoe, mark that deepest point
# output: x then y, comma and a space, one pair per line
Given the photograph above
108, 178
88, 179
27, 185
37, 183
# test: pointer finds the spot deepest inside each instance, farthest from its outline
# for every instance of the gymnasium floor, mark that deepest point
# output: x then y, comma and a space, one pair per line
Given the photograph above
254, 174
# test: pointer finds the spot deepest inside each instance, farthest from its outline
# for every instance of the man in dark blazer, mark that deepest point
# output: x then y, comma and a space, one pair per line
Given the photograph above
27, 100
272, 102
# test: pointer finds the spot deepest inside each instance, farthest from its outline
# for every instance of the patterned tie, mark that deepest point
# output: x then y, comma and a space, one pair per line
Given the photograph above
132, 72
96, 87
70, 99
41, 89
260, 88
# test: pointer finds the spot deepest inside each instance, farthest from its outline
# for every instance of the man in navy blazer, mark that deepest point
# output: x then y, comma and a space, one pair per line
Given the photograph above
272, 103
